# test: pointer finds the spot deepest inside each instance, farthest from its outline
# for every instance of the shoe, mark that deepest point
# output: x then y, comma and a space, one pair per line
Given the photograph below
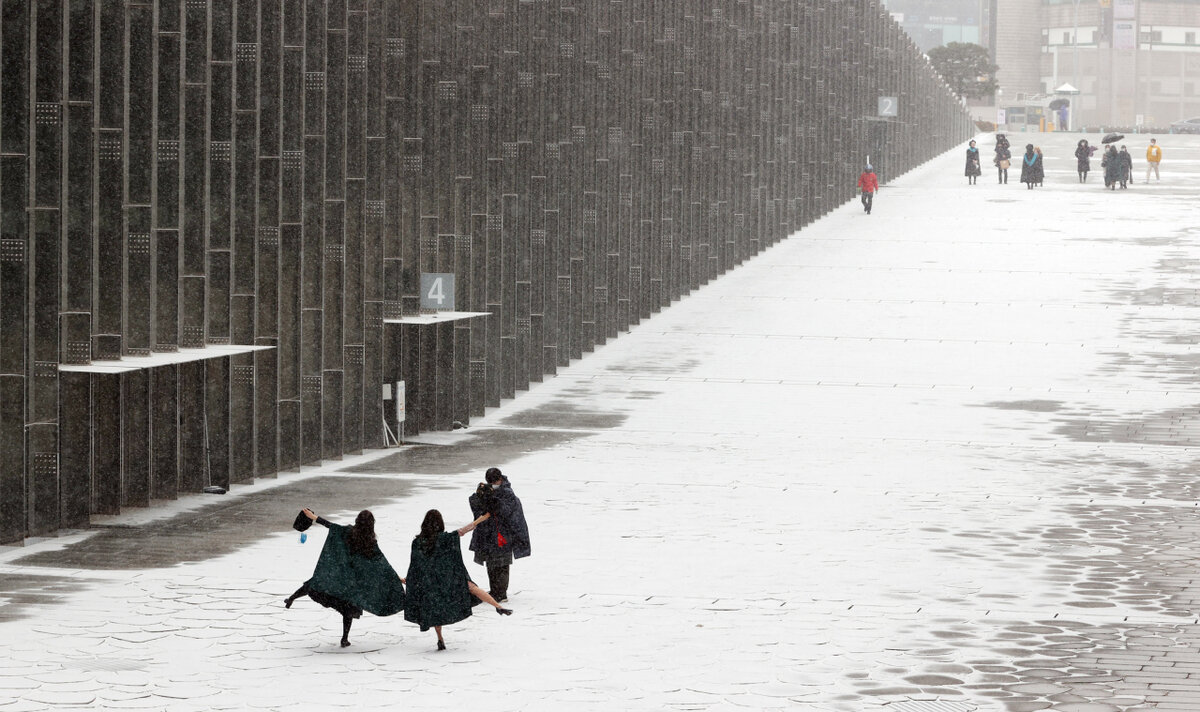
441, 645
287, 602
345, 643
504, 611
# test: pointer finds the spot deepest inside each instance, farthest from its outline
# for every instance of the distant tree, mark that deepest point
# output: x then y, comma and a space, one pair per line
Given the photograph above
966, 67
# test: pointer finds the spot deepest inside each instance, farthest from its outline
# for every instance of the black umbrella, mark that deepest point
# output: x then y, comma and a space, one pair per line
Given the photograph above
1113, 138
1060, 103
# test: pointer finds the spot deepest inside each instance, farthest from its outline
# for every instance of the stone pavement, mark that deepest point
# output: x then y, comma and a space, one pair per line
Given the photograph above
935, 459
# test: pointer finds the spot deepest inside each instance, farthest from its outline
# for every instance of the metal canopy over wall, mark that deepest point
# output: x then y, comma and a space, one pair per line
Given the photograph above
194, 174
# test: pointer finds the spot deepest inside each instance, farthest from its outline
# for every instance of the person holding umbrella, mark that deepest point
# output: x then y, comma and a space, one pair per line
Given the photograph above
1113, 166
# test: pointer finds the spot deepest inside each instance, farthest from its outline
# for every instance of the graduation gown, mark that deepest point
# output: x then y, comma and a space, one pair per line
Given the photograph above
352, 583
437, 583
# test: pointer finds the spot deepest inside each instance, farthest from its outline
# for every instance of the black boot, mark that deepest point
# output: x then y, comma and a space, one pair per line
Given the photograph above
347, 621
302, 591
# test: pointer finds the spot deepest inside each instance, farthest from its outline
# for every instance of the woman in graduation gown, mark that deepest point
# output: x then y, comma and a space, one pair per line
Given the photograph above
352, 574
439, 590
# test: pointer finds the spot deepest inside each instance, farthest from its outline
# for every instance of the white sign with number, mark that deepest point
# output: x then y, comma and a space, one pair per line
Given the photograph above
437, 291
889, 106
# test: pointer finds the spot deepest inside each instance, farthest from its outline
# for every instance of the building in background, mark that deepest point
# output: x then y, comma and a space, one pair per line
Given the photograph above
1131, 62
932, 23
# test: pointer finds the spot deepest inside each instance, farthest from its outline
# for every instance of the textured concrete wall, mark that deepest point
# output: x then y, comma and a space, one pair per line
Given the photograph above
202, 174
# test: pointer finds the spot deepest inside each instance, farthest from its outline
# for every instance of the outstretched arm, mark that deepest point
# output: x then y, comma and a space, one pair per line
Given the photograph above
472, 525
313, 516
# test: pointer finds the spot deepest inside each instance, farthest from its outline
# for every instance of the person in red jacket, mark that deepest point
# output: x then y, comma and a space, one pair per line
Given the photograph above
868, 182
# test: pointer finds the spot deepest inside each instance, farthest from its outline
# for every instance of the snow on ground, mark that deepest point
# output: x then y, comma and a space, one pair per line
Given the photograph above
934, 459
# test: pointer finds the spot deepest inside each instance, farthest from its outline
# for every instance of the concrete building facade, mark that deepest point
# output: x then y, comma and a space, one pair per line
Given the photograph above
933, 23
1133, 61
217, 217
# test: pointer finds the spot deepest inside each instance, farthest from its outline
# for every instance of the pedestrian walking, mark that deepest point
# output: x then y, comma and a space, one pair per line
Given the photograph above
439, 590
1153, 158
1083, 162
868, 183
504, 536
1003, 158
352, 574
972, 170
1111, 163
1028, 163
1126, 167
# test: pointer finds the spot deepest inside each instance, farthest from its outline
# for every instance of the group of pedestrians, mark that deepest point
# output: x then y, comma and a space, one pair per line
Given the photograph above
1117, 165
352, 575
1032, 172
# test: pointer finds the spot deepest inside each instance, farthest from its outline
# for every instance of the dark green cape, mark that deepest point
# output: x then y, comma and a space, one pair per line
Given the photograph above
368, 582
437, 584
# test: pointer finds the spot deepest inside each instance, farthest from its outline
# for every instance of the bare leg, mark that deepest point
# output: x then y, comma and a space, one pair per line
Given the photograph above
441, 643
482, 595
486, 597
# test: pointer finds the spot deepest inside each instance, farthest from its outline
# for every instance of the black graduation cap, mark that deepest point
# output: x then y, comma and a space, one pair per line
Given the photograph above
302, 522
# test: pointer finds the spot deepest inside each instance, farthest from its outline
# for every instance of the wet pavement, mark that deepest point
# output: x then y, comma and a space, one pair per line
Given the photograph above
937, 459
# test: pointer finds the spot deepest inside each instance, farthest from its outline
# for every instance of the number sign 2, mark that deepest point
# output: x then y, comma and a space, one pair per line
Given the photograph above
437, 291
888, 106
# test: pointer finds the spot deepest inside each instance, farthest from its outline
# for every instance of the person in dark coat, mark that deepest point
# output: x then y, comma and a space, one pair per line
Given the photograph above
972, 170
1126, 167
1028, 172
352, 574
439, 590
1111, 163
1083, 163
1003, 158
505, 536
1039, 168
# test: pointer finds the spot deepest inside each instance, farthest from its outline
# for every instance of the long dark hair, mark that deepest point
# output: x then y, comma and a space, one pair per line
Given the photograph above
430, 528
361, 537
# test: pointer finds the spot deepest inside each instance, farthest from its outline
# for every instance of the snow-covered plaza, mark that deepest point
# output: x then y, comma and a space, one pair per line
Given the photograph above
939, 458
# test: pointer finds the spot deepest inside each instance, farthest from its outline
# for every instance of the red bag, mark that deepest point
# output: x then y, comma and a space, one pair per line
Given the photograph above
500, 540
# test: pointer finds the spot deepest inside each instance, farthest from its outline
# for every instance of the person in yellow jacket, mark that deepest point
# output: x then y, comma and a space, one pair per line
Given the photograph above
1153, 156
